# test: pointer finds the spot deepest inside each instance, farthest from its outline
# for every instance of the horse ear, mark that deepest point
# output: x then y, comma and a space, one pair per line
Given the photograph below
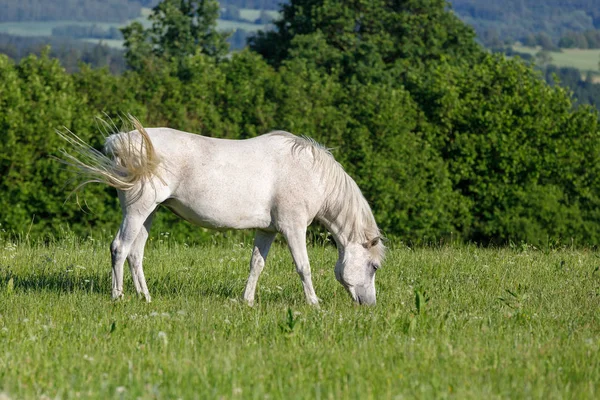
370, 243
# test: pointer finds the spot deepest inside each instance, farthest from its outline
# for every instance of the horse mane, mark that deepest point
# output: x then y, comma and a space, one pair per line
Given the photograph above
344, 197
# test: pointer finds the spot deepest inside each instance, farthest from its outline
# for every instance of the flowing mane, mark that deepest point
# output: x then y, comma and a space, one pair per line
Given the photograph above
344, 198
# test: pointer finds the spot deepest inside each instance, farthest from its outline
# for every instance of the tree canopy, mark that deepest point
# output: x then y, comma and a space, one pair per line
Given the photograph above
363, 31
180, 28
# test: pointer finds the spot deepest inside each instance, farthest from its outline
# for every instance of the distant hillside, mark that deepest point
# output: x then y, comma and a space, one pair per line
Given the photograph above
68, 25
510, 20
74, 10
254, 4
100, 10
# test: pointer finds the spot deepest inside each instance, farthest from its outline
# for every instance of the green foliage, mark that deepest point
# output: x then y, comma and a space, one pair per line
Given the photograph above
446, 141
585, 89
369, 32
180, 28
37, 98
401, 174
523, 160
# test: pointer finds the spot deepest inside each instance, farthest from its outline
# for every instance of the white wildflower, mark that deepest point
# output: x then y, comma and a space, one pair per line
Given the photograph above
163, 336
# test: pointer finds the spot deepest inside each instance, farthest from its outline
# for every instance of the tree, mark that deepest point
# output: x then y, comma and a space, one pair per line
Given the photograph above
543, 57
545, 41
491, 38
369, 30
138, 46
568, 41
354, 55
499, 154
180, 28
32, 184
530, 40
524, 161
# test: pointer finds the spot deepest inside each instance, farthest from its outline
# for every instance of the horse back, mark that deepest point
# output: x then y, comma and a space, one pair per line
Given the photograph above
251, 183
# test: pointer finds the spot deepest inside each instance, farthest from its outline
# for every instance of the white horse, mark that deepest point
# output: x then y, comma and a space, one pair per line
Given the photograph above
273, 183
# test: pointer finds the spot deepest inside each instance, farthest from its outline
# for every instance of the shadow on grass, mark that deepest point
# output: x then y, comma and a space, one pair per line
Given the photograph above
57, 282
94, 282
169, 286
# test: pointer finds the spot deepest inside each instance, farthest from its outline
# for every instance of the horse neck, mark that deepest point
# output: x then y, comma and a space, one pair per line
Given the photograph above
344, 212
344, 227
336, 228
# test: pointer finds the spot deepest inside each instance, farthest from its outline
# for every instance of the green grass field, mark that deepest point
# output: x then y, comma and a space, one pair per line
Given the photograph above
253, 15
44, 28
584, 60
451, 322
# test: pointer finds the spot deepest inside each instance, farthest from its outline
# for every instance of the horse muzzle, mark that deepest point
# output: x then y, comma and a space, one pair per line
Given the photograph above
363, 295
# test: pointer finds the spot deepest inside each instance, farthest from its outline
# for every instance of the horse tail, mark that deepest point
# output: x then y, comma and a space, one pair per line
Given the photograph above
128, 159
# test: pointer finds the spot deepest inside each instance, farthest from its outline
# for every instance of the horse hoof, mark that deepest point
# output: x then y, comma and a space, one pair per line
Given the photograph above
315, 302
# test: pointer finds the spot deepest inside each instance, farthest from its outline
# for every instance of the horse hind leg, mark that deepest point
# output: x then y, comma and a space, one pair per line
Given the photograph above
262, 244
120, 248
136, 258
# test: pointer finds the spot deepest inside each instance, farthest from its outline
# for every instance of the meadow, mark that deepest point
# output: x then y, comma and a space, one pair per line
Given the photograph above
452, 321
44, 28
582, 59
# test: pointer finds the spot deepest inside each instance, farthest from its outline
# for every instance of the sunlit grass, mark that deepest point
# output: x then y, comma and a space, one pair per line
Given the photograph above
456, 322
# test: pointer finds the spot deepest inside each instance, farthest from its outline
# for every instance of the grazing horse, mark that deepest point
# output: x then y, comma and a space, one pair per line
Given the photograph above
277, 182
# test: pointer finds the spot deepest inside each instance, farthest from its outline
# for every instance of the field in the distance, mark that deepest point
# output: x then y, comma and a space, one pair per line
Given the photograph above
583, 59
488, 323
44, 28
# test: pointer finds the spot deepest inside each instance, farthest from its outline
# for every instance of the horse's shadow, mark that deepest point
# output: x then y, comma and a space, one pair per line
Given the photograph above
55, 281
63, 282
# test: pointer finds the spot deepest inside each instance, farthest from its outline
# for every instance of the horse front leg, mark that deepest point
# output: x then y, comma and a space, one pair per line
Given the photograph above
136, 258
262, 244
296, 240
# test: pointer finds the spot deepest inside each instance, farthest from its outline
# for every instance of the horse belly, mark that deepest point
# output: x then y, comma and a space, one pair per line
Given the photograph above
221, 214
232, 185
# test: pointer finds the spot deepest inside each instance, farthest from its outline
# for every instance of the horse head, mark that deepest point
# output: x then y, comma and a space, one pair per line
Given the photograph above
356, 268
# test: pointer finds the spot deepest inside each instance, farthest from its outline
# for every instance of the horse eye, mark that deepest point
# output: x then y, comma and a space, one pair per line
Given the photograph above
375, 266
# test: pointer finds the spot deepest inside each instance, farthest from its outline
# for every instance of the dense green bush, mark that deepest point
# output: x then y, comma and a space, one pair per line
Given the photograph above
36, 98
515, 150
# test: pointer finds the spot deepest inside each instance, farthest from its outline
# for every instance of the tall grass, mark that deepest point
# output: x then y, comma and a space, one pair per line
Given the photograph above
459, 322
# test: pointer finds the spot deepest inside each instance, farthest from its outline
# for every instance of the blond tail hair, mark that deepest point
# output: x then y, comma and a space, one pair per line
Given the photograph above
127, 162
